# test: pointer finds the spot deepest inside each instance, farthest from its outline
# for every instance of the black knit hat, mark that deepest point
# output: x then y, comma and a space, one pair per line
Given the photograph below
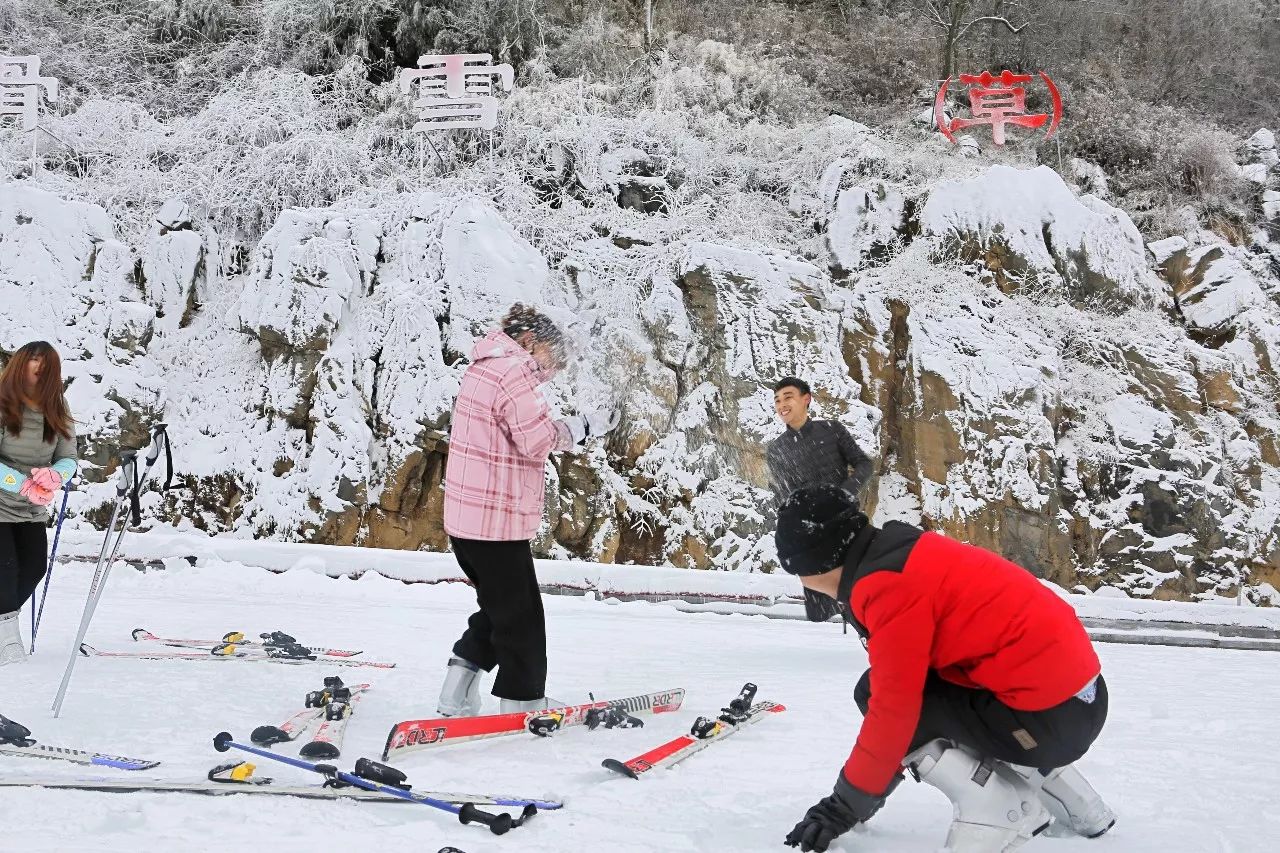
816, 525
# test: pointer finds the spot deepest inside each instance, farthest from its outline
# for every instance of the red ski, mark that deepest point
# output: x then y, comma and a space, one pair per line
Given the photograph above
740, 714
413, 735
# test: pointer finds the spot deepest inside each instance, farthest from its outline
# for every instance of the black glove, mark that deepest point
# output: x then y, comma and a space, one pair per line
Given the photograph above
834, 816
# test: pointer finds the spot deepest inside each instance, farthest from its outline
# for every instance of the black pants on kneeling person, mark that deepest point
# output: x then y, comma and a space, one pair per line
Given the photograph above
1053, 737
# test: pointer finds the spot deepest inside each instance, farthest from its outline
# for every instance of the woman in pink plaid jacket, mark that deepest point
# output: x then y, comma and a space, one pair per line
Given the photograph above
500, 437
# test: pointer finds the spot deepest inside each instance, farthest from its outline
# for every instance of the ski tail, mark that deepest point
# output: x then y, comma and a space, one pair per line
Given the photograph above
704, 732
76, 756
288, 730
412, 735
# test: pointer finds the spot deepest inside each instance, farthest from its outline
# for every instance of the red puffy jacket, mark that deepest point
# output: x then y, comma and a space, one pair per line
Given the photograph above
923, 601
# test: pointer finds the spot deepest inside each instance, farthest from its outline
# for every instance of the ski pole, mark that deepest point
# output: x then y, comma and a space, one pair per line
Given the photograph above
499, 824
38, 613
128, 490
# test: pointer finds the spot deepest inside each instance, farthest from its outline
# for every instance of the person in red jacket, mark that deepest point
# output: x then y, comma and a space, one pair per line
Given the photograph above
982, 681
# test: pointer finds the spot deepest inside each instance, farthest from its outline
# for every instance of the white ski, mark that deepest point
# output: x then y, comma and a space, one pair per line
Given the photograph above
76, 756
313, 792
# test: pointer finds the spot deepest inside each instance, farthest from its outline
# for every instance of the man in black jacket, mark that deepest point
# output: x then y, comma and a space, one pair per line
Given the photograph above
812, 453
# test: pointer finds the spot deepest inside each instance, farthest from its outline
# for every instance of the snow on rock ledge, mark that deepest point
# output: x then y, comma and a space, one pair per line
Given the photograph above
1029, 230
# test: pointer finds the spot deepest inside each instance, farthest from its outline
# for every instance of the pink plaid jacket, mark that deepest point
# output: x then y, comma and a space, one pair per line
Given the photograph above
499, 440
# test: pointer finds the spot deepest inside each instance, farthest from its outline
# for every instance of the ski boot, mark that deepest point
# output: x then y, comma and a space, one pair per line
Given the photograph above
1072, 801
460, 695
11, 648
14, 734
994, 809
519, 706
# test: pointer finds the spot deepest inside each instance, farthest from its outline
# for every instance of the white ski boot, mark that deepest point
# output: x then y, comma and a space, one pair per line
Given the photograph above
995, 810
460, 696
11, 648
1071, 800
520, 706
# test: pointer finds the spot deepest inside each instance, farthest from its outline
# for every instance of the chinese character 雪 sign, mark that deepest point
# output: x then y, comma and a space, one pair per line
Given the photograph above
20, 85
997, 100
456, 91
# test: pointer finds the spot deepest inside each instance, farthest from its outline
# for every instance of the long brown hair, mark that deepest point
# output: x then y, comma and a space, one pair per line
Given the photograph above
46, 396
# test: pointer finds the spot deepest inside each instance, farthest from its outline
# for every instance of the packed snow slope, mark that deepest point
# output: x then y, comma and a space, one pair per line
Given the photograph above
1184, 758
284, 281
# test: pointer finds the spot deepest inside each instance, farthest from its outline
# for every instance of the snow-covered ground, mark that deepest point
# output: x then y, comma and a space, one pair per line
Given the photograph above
1188, 759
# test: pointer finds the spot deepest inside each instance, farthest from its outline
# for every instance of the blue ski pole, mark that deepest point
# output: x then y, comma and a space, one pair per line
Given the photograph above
36, 615
498, 824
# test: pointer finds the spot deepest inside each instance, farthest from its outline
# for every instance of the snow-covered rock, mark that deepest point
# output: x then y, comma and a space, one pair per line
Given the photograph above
1255, 173
1271, 204
65, 278
1211, 285
865, 222
1262, 140
1164, 249
1029, 230
1062, 417
1089, 177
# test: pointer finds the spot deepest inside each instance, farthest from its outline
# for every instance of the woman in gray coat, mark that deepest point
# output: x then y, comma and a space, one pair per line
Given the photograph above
37, 455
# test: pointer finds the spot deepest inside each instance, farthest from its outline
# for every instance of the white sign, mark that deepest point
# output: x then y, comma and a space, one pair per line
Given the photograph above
456, 91
20, 85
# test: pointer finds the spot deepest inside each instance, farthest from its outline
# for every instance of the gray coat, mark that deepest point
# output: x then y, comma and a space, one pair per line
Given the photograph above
819, 453
25, 451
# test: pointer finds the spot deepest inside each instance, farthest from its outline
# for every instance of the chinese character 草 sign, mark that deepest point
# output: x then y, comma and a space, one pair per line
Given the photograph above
20, 85
997, 100
456, 91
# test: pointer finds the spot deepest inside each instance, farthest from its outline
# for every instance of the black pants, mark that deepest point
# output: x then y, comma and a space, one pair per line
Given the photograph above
509, 630
24, 552
1054, 737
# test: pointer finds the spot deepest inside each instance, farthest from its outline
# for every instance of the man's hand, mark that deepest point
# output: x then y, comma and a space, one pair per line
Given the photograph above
833, 816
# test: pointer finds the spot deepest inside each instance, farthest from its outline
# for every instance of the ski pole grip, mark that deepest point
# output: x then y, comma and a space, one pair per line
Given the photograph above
499, 824
381, 773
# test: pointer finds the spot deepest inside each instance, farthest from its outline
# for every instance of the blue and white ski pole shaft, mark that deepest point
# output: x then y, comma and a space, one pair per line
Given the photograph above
499, 824
38, 614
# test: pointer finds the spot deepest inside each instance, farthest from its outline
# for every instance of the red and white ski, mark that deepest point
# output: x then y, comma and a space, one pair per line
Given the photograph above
705, 732
238, 638
413, 735
264, 655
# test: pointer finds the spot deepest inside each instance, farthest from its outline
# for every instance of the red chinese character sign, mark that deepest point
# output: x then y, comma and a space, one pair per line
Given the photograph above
995, 100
